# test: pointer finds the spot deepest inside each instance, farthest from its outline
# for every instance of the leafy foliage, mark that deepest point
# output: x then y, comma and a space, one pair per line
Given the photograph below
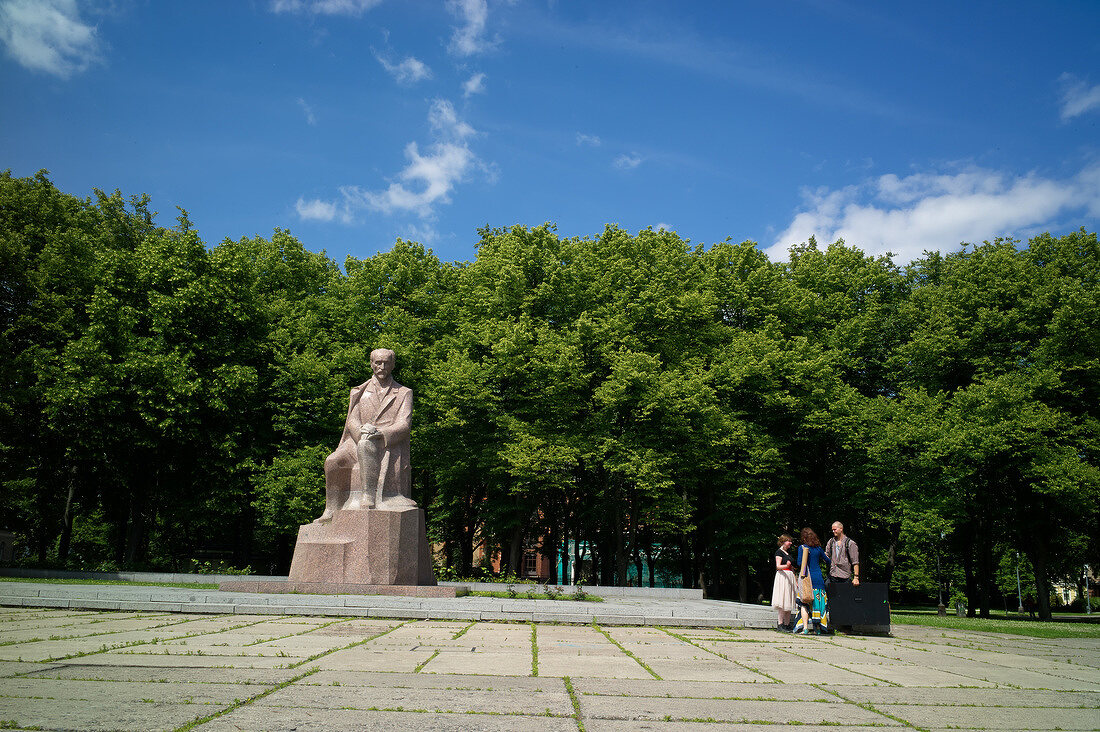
165, 402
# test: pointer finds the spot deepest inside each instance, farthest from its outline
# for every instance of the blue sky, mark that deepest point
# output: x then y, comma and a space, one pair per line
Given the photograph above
899, 127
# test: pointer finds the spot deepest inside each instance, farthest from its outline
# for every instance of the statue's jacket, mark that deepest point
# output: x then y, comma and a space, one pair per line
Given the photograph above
390, 410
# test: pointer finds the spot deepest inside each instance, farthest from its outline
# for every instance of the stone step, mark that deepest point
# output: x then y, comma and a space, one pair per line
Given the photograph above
613, 611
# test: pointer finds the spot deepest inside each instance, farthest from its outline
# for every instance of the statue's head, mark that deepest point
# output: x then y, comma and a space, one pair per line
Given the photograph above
381, 363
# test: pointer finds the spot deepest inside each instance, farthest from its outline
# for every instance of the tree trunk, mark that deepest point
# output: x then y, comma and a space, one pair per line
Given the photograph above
699, 560
743, 585
605, 559
458, 550
637, 552
1037, 554
622, 558
135, 529
42, 533
985, 580
284, 554
685, 561
549, 549
578, 557
468, 549
891, 560
66, 523
515, 551
563, 542
971, 584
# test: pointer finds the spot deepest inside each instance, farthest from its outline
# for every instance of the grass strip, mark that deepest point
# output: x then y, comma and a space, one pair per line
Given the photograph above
805, 657
77, 636
576, 703
724, 657
733, 637
622, 648
426, 662
322, 654
462, 632
104, 648
534, 650
24, 614
868, 707
154, 641
242, 702
61, 581
293, 635
1030, 628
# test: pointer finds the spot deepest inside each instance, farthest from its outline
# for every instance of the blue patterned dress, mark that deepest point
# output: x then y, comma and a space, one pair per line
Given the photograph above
819, 611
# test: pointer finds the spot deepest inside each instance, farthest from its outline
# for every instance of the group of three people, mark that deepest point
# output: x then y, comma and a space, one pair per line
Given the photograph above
841, 558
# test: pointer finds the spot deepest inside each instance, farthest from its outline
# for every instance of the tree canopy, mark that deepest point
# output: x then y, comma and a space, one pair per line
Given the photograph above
164, 400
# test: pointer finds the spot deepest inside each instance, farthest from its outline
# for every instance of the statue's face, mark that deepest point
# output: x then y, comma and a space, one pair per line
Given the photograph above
381, 366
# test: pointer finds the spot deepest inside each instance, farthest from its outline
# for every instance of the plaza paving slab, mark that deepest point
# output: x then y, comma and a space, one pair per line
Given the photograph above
80, 670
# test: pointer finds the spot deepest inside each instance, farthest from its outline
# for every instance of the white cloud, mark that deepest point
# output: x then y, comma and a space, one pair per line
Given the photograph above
48, 35
583, 139
315, 210
929, 212
469, 39
427, 179
424, 234
474, 85
409, 71
1077, 96
324, 7
661, 227
311, 118
444, 120
627, 162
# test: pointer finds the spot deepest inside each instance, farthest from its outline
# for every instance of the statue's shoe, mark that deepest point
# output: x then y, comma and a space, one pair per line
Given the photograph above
324, 518
396, 503
356, 502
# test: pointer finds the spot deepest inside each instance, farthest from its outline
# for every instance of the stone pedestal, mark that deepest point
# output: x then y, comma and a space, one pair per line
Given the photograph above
367, 547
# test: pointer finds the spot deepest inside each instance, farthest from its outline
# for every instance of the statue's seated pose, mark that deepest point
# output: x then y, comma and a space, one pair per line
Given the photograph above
370, 468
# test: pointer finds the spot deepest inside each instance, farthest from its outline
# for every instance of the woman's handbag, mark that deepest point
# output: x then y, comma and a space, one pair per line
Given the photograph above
805, 583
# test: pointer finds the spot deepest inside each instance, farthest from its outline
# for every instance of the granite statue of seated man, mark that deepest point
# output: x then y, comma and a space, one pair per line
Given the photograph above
370, 468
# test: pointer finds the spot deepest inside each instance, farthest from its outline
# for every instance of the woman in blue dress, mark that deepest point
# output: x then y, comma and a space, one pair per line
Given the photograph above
811, 555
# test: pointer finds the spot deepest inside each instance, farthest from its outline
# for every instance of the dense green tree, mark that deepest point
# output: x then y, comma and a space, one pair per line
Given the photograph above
635, 396
985, 323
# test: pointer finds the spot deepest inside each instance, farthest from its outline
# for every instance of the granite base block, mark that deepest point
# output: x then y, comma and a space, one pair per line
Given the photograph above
365, 547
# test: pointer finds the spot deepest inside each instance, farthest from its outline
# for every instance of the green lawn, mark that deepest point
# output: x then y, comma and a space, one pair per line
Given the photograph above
519, 595
1007, 625
55, 581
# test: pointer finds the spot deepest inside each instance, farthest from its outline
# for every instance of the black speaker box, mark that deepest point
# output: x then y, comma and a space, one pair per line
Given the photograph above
864, 608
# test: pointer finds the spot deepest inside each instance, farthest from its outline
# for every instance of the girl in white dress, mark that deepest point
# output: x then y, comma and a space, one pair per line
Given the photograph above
783, 587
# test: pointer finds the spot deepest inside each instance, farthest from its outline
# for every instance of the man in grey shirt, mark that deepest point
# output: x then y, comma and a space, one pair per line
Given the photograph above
843, 556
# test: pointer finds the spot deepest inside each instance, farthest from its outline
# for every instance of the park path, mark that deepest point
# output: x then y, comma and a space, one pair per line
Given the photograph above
96, 670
